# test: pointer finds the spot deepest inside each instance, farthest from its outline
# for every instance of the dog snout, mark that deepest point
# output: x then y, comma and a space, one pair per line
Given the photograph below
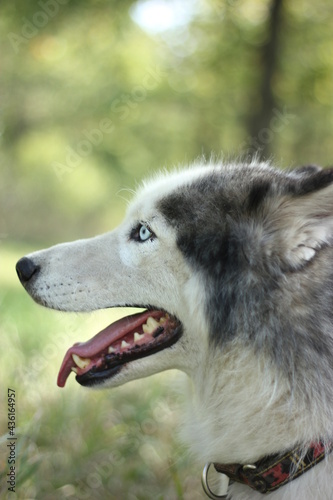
26, 269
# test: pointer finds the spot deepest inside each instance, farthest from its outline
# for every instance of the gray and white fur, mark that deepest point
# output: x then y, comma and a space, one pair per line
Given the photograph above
242, 255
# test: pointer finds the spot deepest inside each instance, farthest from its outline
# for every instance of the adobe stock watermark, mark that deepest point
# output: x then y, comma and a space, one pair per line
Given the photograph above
220, 8
278, 122
41, 359
100, 472
126, 102
74, 156
31, 27
103, 472
121, 106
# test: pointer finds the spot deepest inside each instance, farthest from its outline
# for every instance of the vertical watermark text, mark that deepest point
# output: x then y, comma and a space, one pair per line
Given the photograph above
11, 445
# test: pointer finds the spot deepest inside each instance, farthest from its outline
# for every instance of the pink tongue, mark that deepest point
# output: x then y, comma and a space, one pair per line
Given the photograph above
101, 341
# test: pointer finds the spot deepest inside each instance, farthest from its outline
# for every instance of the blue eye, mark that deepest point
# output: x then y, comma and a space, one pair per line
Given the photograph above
144, 233
141, 233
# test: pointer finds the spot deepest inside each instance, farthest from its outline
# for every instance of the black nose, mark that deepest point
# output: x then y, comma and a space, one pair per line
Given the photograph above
25, 269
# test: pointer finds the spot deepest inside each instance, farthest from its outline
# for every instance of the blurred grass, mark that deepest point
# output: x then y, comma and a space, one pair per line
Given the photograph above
75, 443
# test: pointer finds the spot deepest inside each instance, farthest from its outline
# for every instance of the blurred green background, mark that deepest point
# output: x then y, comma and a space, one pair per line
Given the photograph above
95, 95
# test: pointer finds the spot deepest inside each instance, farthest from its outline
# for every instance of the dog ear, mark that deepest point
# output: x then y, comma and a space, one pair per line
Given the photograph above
303, 218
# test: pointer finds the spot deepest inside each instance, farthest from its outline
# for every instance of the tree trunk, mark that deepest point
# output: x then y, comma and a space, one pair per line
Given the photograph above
259, 126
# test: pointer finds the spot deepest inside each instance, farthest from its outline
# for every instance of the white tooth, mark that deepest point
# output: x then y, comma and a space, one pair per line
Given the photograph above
80, 362
146, 328
74, 369
152, 322
150, 326
111, 349
124, 344
137, 336
163, 320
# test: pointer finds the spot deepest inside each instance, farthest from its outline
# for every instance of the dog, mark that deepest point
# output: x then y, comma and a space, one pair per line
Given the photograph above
232, 264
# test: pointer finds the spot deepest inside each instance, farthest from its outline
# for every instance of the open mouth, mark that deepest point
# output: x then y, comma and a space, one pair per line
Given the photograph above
126, 340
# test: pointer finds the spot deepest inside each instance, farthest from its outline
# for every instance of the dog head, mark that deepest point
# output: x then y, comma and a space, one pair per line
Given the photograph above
212, 254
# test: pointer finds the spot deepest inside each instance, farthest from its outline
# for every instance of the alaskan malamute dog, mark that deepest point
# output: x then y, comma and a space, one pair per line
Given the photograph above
233, 265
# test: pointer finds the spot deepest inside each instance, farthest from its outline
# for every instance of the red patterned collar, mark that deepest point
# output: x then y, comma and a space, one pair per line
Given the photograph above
272, 472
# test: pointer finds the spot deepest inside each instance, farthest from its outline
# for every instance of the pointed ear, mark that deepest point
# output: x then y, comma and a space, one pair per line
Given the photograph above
303, 219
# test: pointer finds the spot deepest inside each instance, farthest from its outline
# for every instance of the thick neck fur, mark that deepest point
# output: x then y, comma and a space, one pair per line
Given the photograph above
241, 409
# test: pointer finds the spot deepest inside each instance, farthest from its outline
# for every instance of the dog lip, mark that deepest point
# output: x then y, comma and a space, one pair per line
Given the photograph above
93, 377
103, 339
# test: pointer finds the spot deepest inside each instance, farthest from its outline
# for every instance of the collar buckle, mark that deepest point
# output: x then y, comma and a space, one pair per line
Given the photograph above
205, 485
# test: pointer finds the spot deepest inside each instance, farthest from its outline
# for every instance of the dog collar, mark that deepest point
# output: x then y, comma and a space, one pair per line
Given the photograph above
271, 472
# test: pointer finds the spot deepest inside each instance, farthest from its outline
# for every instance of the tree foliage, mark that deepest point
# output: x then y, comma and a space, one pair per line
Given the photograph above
91, 102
